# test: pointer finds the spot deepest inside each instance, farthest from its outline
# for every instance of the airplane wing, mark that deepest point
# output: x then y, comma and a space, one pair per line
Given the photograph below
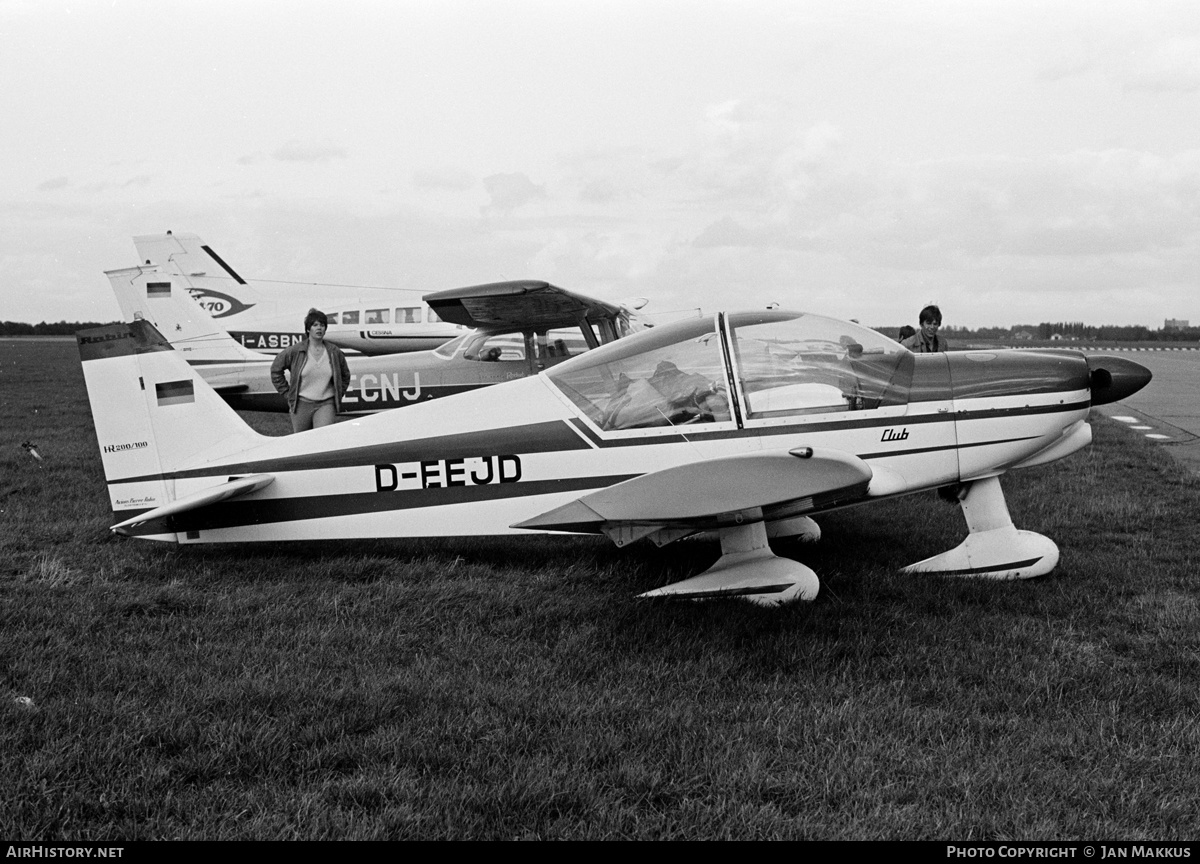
714, 494
733, 495
518, 305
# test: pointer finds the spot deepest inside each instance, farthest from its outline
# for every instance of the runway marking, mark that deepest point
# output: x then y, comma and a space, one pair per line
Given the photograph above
1139, 425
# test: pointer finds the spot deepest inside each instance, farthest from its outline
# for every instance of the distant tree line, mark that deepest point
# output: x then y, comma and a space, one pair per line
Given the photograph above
1079, 331
61, 328
1045, 330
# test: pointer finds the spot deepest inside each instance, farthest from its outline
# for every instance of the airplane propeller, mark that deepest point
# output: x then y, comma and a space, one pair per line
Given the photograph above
1114, 378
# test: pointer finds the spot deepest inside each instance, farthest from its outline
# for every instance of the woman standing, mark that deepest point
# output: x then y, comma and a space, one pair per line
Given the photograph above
317, 375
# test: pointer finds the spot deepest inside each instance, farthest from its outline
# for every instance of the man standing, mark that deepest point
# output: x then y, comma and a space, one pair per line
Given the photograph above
926, 340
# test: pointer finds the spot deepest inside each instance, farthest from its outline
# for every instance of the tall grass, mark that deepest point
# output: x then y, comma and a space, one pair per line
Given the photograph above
514, 688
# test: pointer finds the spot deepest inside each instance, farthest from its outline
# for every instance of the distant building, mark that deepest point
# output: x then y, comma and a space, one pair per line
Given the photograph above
1176, 324
1023, 335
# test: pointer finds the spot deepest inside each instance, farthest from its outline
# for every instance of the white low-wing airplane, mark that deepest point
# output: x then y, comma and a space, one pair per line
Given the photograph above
745, 424
373, 321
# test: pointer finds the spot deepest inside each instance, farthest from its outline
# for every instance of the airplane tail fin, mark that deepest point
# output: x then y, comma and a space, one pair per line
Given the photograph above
163, 298
224, 291
154, 417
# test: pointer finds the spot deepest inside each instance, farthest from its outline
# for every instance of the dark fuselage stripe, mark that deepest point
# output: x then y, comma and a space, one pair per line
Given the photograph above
884, 453
550, 437
697, 433
231, 514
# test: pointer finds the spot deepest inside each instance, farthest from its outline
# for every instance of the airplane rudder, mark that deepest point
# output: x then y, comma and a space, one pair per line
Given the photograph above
151, 411
124, 432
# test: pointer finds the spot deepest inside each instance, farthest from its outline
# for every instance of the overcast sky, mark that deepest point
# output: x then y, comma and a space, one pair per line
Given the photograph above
1015, 162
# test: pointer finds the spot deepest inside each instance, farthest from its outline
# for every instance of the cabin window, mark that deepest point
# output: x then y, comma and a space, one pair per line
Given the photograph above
555, 346
449, 349
377, 316
350, 317
789, 364
495, 347
669, 376
431, 317
565, 342
408, 314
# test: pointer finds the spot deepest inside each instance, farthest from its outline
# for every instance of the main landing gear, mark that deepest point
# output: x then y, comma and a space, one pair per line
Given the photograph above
749, 569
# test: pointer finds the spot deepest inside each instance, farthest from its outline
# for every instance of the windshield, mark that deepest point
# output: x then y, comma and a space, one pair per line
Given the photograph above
790, 363
449, 349
668, 376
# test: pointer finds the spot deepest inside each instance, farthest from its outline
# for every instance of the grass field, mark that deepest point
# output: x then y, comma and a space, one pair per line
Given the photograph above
514, 688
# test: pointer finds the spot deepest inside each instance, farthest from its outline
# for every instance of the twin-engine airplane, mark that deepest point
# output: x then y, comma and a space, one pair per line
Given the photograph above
521, 328
375, 321
745, 424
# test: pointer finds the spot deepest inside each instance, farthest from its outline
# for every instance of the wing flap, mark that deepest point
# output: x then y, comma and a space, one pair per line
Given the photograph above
717, 492
235, 487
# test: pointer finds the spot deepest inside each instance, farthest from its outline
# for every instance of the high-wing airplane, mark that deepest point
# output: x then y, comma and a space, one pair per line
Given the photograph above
521, 329
746, 424
374, 321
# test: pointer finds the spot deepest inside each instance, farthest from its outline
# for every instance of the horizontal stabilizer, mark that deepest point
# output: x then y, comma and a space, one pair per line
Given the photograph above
235, 487
714, 492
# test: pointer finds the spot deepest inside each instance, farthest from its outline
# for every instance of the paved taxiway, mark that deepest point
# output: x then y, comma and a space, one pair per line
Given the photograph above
1167, 410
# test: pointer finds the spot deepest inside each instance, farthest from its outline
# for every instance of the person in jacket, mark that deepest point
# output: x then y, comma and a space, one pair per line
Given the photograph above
312, 374
926, 340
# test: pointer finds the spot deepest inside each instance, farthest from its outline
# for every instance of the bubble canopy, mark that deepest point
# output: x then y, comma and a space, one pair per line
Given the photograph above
745, 366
